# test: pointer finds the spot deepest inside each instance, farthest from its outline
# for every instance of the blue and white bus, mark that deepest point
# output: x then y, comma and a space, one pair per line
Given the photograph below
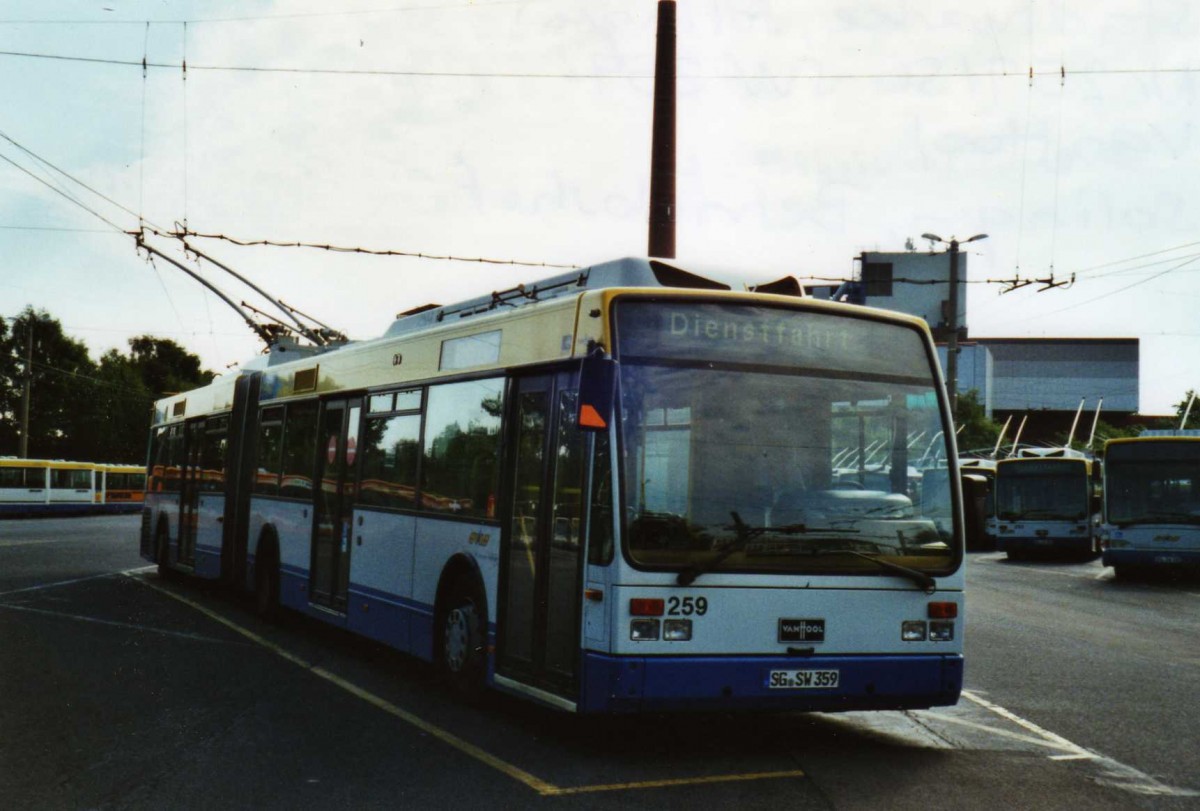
1152, 502
627, 488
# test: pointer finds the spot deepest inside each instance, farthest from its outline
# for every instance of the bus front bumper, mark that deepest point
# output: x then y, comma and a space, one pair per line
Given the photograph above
1151, 557
617, 684
1055, 543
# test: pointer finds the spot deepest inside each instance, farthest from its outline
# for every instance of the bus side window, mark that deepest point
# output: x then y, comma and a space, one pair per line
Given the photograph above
173, 459
12, 477
214, 445
391, 447
299, 450
270, 447
461, 460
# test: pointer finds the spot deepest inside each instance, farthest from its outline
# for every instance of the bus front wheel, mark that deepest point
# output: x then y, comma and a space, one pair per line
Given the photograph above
462, 640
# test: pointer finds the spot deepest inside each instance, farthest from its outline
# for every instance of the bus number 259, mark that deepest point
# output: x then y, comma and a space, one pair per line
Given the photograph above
687, 606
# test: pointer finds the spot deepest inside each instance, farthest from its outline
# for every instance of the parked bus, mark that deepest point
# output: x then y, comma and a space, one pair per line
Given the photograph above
1152, 502
46, 486
120, 488
610, 491
1045, 501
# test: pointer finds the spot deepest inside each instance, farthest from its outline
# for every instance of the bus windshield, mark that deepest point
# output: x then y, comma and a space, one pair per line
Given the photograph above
1052, 490
763, 439
1153, 483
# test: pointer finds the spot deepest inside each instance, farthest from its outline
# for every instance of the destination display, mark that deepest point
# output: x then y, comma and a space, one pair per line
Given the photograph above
768, 335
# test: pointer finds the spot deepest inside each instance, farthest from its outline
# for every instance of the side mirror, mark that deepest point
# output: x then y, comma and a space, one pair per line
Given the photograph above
597, 391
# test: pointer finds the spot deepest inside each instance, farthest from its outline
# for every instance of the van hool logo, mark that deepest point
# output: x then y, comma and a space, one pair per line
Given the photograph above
791, 630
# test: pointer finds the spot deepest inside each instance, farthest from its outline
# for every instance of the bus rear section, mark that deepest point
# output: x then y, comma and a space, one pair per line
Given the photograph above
777, 543
1044, 506
1152, 503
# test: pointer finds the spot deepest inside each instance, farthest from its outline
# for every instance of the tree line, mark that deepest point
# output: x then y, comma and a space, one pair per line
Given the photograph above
81, 409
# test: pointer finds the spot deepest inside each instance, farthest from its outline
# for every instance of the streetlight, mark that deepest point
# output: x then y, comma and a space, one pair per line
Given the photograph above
952, 316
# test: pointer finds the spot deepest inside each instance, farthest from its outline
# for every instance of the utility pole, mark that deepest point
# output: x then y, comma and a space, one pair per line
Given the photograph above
662, 149
27, 395
952, 338
952, 317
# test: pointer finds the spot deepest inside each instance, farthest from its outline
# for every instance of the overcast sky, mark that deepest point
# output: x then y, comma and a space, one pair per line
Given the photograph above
520, 130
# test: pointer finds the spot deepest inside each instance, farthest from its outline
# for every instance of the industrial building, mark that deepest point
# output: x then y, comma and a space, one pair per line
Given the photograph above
1044, 379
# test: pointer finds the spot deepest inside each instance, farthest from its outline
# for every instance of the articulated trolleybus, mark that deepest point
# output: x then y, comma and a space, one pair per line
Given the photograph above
1152, 502
611, 491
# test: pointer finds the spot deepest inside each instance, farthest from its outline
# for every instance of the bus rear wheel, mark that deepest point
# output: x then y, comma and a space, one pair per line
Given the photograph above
462, 655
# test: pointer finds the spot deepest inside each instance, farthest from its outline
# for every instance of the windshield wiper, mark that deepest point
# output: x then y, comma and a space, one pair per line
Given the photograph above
745, 534
927, 583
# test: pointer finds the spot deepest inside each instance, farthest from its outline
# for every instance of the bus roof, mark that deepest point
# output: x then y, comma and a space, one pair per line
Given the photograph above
534, 323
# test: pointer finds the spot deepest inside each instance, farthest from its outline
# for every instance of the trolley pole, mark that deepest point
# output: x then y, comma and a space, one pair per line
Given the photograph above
662, 150
27, 395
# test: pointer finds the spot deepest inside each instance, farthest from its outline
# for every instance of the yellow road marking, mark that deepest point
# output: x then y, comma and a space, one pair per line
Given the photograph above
453, 740
681, 781
469, 749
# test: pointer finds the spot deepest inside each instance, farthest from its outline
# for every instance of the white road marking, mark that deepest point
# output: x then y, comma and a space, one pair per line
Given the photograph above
114, 623
55, 585
36, 542
1116, 774
1002, 733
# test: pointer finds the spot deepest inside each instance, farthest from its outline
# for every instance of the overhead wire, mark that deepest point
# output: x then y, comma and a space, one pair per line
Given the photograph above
370, 251
94, 380
981, 74
1094, 299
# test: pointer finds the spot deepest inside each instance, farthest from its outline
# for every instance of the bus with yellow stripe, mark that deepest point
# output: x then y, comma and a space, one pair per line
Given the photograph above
626, 488
1152, 503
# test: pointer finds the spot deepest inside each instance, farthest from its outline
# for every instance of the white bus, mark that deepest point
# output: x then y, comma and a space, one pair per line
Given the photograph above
1045, 501
46, 486
621, 489
1152, 502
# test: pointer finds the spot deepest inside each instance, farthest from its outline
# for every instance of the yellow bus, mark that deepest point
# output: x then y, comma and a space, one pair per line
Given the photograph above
120, 488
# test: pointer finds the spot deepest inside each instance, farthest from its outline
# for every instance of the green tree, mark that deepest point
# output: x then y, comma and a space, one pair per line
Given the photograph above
165, 366
976, 431
79, 409
60, 375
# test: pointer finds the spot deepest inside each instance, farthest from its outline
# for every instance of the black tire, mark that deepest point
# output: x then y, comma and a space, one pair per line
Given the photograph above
1126, 573
462, 639
266, 586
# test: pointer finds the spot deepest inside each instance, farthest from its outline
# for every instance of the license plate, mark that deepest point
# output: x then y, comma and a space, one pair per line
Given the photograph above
802, 679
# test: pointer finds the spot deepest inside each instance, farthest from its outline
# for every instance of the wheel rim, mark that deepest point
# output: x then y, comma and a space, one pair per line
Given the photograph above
458, 637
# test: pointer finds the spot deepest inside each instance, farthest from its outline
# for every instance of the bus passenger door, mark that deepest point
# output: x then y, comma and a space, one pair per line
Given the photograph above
189, 491
539, 600
334, 503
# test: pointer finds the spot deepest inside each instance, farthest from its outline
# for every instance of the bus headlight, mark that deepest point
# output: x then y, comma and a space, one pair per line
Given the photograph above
677, 630
941, 631
643, 630
912, 631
